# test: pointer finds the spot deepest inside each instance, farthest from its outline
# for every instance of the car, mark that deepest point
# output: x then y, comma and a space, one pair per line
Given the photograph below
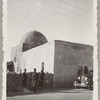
81, 82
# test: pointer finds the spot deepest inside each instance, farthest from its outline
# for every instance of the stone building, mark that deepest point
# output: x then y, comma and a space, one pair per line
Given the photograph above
29, 41
61, 58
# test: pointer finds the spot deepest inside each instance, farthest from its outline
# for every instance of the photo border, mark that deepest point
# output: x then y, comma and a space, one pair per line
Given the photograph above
1, 46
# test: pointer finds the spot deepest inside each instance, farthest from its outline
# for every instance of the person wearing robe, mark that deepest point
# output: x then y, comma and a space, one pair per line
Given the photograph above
34, 80
24, 78
42, 79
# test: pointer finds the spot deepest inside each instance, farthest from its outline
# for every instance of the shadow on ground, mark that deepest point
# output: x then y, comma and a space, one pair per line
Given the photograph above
26, 91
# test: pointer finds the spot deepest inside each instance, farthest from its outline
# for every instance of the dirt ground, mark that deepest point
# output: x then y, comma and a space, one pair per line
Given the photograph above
52, 94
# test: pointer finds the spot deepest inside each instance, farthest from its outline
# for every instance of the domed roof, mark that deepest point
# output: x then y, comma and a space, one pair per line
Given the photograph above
34, 37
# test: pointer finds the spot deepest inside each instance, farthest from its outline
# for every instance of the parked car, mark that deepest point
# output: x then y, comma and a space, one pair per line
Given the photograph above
84, 78
81, 81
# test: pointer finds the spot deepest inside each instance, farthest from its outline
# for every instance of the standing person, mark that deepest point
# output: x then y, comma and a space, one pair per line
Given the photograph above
24, 78
90, 79
34, 80
42, 79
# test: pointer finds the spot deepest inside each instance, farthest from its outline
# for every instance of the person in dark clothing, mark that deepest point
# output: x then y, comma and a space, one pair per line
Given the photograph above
41, 78
34, 80
24, 78
90, 79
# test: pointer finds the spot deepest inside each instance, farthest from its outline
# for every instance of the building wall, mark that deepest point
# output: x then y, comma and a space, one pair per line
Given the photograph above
34, 57
68, 57
60, 58
16, 56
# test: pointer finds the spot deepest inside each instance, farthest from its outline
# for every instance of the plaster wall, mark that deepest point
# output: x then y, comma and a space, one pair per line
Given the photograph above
34, 57
67, 58
16, 56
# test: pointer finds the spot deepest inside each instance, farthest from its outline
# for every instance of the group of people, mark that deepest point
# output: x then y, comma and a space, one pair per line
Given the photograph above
37, 80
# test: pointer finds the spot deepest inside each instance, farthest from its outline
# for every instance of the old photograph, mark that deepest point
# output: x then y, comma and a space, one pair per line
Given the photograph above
50, 49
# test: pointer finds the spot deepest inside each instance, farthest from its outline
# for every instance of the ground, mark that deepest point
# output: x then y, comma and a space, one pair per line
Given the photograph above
54, 94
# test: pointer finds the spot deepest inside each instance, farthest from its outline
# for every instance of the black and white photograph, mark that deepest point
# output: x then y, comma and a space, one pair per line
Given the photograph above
51, 50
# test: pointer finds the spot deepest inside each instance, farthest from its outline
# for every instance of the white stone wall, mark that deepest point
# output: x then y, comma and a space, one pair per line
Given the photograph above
68, 57
33, 58
16, 56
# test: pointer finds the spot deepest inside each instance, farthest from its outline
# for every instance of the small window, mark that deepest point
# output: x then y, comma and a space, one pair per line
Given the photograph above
80, 70
85, 70
20, 70
17, 69
10, 66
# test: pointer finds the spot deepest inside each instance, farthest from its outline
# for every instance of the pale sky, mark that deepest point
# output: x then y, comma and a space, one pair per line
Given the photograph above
68, 20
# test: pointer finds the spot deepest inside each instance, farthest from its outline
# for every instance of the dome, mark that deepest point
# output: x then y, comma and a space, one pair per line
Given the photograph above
34, 37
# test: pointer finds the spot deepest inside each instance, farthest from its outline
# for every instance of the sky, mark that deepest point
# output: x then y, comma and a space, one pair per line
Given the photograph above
67, 20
